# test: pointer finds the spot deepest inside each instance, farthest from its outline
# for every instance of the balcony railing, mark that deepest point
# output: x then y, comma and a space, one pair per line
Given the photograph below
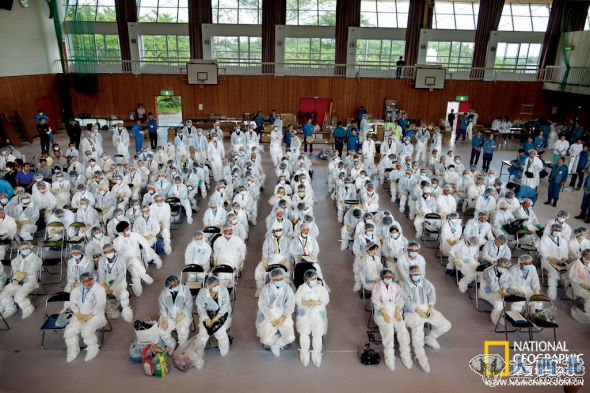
572, 76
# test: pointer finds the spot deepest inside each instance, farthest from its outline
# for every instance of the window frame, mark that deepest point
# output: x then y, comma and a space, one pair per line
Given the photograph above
170, 49
248, 60
454, 5
76, 6
508, 13
458, 65
90, 55
216, 12
384, 62
181, 9
318, 62
386, 14
502, 65
319, 12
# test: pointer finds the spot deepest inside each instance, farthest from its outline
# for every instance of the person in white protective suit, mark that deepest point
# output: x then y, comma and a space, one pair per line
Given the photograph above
180, 191
405, 186
135, 180
451, 233
61, 189
121, 140
238, 228
214, 309
422, 138
216, 152
94, 246
578, 243
496, 281
410, 258
345, 192
112, 275
579, 276
134, 211
531, 170
446, 202
214, 215
474, 191
238, 139
553, 249
479, 227
87, 302
561, 218
367, 267
105, 202
311, 300
419, 297
353, 216
525, 282
8, 230
465, 256
229, 250
370, 199
77, 265
198, 252
495, 249
364, 239
161, 211
274, 323
503, 216
118, 216
127, 245
406, 149
176, 312
82, 193
275, 249
394, 177
121, 192
308, 220
24, 279
304, 247
394, 246
368, 151
147, 226
276, 146
425, 204
388, 304
26, 215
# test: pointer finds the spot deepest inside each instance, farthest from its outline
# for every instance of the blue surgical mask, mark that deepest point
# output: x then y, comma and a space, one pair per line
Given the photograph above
413, 254
388, 281
175, 289
279, 284
216, 289
416, 278
26, 252
312, 283
501, 270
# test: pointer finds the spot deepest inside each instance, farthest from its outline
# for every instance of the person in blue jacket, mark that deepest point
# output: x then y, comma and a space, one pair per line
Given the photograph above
287, 136
517, 164
6, 188
138, 134
476, 146
152, 125
540, 142
464, 123
489, 146
585, 208
557, 179
522, 192
259, 120
581, 169
339, 135
529, 144
308, 136
352, 142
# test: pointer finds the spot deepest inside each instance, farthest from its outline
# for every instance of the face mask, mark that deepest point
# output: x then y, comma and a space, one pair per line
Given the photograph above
555, 233
26, 253
501, 270
560, 220
416, 278
227, 236
216, 289
388, 281
4, 201
43, 191
312, 283
175, 289
82, 207
99, 236
26, 201
76, 256
528, 267
413, 254
304, 235
279, 284
396, 236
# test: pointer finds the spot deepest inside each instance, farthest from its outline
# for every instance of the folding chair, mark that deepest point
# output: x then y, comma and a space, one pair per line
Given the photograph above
175, 212
432, 226
478, 278
54, 243
543, 318
210, 231
517, 321
76, 234
299, 270
193, 277
227, 278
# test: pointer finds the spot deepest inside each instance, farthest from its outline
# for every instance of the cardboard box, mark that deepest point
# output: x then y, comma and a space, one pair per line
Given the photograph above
289, 118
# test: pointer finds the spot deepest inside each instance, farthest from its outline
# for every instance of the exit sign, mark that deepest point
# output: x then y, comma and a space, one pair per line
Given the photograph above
462, 98
166, 93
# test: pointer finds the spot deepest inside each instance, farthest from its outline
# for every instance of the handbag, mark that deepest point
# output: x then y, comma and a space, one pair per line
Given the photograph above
64, 318
211, 330
529, 174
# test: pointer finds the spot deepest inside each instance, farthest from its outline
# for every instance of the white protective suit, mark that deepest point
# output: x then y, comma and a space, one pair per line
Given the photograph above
229, 251
175, 314
494, 280
162, 213
273, 303
128, 249
579, 275
8, 230
312, 320
464, 256
112, 275
16, 292
121, 141
208, 308
553, 249
76, 267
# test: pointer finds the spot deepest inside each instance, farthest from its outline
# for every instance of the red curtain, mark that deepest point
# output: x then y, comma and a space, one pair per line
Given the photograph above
126, 12
274, 12
199, 12
419, 16
348, 14
565, 16
488, 20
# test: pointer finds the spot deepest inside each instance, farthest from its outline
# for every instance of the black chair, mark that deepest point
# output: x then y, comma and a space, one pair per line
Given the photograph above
515, 325
230, 283
175, 211
540, 320
299, 270
194, 286
430, 231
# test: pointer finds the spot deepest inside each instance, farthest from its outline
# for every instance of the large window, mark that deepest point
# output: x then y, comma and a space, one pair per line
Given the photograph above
165, 48
163, 11
238, 49
311, 12
91, 10
310, 51
95, 48
237, 11
524, 17
517, 56
455, 15
453, 54
380, 53
384, 13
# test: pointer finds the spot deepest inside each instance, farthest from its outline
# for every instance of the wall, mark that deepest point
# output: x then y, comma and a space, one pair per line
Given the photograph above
19, 93
119, 94
27, 39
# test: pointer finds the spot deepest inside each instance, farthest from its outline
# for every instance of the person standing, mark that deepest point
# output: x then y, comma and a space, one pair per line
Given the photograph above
352, 142
259, 120
463, 127
138, 135
399, 67
532, 168
581, 169
140, 112
44, 131
557, 179
489, 147
152, 125
339, 133
451, 119
308, 136
476, 146
74, 132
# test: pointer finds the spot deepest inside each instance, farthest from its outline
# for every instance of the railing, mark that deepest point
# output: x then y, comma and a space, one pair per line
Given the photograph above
574, 76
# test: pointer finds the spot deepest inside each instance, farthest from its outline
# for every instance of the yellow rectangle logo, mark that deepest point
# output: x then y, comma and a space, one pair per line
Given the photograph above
486, 350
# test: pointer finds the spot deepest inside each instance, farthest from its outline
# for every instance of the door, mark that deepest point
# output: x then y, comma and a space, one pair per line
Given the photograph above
169, 114
452, 105
464, 106
47, 105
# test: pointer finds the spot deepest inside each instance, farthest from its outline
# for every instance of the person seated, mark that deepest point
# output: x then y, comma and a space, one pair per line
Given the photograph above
305, 248
578, 243
451, 233
161, 211
26, 215
579, 276
486, 202
24, 279
112, 275
214, 308
561, 219
366, 268
274, 323
370, 199
349, 223
214, 216
77, 265
275, 250
525, 282
515, 170
180, 191
8, 231
553, 250
361, 241
464, 256
496, 281
495, 249
410, 258
424, 205
394, 246
446, 202
388, 304
88, 303
419, 296
229, 250
176, 312
502, 217
479, 227
311, 299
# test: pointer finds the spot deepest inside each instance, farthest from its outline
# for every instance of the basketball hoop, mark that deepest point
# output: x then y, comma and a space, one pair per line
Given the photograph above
202, 82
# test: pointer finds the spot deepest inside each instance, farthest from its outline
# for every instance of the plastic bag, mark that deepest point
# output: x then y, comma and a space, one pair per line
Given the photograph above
155, 361
189, 355
136, 350
64, 318
147, 332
